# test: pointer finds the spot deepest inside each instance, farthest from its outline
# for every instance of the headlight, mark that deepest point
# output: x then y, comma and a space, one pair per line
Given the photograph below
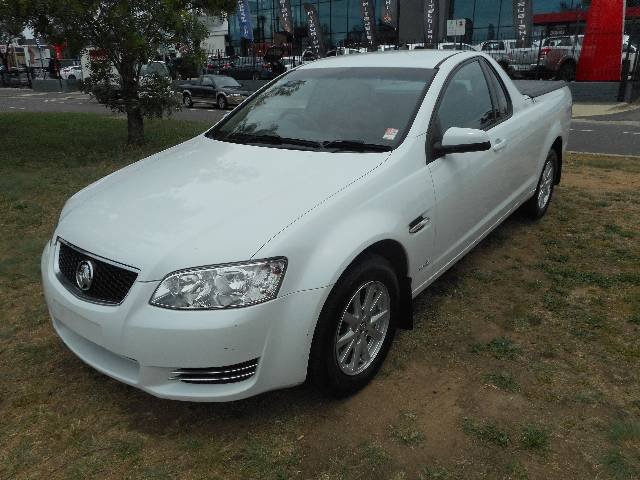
235, 94
221, 286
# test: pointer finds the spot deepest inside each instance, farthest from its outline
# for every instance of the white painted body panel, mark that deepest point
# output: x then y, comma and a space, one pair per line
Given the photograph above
206, 202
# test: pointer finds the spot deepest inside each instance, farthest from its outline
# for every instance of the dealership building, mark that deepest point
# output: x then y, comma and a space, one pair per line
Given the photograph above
341, 21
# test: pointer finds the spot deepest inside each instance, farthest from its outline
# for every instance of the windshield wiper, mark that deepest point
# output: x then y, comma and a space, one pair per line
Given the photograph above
271, 139
355, 145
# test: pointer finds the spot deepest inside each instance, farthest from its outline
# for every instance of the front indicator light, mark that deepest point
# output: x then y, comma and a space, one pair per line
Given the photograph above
221, 286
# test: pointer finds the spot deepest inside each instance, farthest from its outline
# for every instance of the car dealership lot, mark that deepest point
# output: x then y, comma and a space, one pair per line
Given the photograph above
523, 363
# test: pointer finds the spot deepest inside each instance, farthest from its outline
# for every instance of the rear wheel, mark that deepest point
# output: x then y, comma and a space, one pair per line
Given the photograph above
356, 327
507, 68
187, 101
567, 72
71, 77
537, 205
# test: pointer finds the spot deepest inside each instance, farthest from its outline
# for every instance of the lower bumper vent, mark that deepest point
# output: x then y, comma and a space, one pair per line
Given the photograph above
230, 374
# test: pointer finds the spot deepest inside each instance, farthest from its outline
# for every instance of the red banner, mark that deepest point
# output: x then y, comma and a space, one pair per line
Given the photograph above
601, 53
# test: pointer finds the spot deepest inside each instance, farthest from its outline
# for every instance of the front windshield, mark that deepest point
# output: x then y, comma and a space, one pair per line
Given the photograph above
225, 82
340, 107
153, 68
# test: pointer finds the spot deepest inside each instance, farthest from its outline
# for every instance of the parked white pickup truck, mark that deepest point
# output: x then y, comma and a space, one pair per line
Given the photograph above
288, 241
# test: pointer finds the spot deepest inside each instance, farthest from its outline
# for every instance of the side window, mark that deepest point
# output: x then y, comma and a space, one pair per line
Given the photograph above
466, 102
503, 106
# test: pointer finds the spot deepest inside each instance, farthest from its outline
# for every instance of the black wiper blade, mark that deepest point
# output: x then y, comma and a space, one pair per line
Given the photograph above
253, 138
356, 146
272, 139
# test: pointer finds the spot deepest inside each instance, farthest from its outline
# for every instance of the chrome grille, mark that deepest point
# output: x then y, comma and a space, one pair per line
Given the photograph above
229, 374
111, 282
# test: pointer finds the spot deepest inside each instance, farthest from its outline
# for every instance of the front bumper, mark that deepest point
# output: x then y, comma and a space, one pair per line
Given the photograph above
142, 345
233, 100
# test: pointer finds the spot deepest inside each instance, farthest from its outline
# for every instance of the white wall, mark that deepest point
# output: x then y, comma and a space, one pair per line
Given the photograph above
217, 28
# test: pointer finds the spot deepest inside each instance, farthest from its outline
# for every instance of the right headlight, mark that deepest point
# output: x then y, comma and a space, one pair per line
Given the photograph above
221, 286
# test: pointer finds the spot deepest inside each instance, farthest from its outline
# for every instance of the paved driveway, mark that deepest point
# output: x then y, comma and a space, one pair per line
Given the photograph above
12, 100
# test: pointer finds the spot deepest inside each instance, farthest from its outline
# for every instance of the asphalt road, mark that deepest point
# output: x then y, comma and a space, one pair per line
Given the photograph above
23, 100
614, 134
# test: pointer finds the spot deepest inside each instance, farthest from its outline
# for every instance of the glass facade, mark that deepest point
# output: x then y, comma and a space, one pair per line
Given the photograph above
493, 19
340, 21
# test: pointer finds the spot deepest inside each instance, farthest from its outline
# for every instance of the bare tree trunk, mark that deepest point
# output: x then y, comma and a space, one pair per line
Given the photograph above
135, 127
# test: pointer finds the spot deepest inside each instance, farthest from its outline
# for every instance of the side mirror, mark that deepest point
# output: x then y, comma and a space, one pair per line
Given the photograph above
462, 140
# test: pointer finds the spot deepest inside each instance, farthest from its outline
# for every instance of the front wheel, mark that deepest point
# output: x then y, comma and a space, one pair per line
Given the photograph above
537, 205
356, 327
222, 103
187, 101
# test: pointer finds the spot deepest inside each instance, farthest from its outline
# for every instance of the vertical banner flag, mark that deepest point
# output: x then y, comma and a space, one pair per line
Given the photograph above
314, 29
523, 22
390, 13
285, 15
431, 20
368, 21
244, 20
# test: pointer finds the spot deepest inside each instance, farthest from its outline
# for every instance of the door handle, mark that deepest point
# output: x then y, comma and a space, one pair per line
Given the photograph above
499, 145
418, 224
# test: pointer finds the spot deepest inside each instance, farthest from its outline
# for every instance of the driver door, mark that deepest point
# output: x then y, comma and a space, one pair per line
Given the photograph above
465, 184
208, 89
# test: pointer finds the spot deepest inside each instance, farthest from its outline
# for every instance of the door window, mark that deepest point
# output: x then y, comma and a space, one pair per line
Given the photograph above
466, 102
503, 107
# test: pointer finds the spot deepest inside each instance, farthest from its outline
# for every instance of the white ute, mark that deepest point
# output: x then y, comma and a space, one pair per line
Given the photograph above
287, 242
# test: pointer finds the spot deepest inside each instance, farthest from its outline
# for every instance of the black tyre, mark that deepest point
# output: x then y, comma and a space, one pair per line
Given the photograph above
356, 327
71, 77
567, 72
187, 101
222, 103
537, 205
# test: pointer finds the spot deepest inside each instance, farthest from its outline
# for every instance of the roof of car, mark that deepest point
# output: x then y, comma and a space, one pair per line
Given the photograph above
390, 59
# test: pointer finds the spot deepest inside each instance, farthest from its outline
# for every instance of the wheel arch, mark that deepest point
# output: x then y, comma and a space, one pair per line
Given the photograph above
555, 139
557, 146
395, 253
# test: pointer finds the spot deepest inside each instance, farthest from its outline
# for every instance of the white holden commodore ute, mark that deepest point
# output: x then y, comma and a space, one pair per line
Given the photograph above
286, 243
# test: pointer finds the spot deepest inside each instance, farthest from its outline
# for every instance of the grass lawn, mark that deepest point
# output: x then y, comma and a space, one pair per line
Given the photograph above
524, 363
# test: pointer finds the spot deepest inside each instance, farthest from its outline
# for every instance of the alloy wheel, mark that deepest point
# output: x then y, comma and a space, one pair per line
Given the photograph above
546, 185
362, 328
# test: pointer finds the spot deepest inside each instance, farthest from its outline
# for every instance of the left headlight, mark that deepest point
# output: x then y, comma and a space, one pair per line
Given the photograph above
221, 286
